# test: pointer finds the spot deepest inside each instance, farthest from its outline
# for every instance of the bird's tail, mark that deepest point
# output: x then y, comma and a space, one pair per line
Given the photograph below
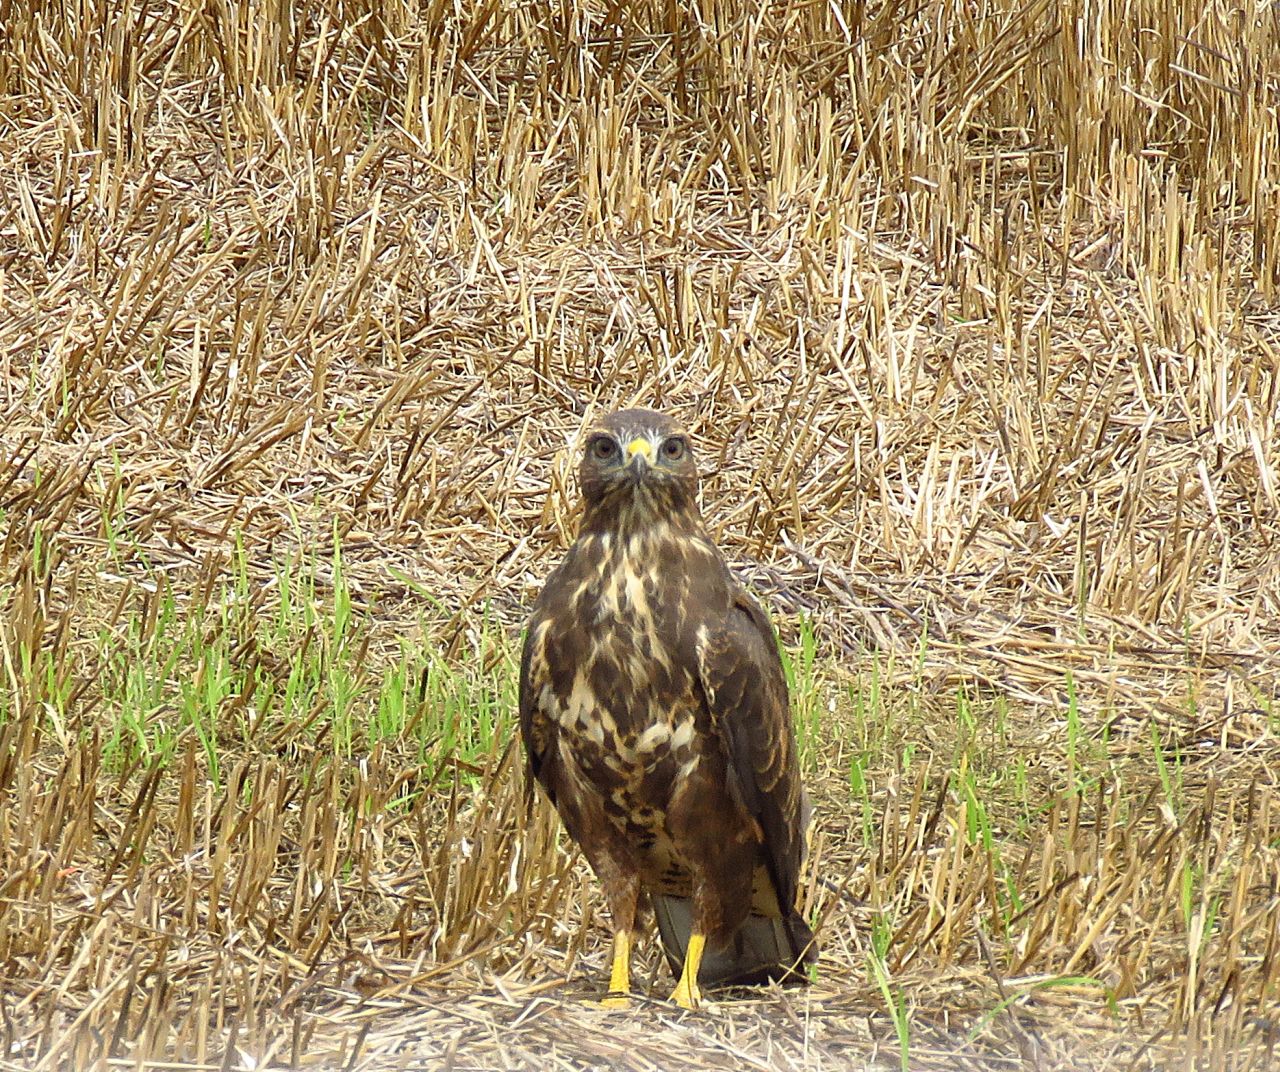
763, 949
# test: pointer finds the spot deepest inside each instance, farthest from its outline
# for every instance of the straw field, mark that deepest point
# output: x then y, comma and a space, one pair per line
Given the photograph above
971, 308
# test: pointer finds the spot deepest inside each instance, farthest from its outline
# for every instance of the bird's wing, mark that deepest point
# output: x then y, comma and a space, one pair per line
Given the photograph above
746, 690
535, 725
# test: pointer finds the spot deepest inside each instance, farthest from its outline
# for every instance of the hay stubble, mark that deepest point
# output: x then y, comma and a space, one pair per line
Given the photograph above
971, 308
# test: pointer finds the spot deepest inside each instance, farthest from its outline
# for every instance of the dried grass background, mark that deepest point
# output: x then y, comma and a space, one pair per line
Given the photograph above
972, 311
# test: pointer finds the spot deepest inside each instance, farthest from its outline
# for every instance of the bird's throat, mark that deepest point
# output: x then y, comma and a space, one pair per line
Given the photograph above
636, 510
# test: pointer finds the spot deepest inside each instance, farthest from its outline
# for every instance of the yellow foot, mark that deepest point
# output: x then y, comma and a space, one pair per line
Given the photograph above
686, 994
687, 997
620, 976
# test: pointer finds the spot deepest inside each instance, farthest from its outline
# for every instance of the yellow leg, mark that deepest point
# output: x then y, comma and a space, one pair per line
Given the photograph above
620, 977
687, 995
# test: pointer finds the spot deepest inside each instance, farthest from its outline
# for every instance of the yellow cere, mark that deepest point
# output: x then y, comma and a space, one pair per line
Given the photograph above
640, 445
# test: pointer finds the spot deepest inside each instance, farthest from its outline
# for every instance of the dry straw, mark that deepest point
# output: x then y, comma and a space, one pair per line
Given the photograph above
972, 310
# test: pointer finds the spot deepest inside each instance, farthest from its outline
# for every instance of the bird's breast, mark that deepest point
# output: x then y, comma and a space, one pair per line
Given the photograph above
625, 703
626, 735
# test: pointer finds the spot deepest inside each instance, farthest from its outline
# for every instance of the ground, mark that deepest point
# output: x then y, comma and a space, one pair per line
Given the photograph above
971, 309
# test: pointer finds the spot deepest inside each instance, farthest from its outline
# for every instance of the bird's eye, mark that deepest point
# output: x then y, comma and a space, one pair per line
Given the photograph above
673, 449
603, 448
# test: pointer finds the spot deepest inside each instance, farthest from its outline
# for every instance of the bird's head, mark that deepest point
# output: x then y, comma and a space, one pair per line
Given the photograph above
639, 462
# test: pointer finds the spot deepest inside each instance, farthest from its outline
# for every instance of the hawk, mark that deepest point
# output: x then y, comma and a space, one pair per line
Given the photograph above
655, 716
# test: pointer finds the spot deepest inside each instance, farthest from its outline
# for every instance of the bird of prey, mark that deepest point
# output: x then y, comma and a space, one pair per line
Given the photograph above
655, 716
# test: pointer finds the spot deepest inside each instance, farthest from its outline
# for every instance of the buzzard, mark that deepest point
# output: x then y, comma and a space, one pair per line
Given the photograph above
655, 716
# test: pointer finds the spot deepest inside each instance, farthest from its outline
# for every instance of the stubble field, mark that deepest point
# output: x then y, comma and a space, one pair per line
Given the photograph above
972, 310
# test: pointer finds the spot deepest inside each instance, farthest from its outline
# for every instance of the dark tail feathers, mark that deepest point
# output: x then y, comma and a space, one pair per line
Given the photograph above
763, 949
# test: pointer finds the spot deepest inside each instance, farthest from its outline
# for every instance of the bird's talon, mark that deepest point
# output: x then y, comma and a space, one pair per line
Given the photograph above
686, 998
615, 1001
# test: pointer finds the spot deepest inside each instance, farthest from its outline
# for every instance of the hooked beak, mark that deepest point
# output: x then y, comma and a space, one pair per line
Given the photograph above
639, 456
639, 448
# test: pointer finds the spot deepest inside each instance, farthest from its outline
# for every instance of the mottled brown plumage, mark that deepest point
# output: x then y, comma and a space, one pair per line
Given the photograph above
655, 715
